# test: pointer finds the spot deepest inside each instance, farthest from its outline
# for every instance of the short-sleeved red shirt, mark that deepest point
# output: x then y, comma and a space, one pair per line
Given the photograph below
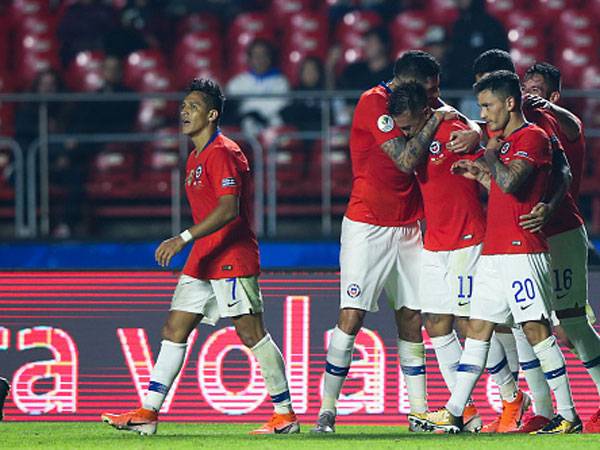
503, 234
567, 216
220, 169
381, 194
453, 212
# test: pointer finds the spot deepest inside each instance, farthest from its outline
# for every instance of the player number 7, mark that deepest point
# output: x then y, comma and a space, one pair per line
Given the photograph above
233, 282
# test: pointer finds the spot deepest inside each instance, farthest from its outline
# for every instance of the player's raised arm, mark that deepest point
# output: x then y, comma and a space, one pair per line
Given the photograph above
408, 151
567, 121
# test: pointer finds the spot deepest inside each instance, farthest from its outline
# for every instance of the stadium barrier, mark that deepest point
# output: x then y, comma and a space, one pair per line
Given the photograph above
38, 190
77, 343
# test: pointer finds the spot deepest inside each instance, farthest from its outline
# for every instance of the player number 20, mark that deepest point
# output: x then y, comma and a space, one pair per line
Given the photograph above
524, 288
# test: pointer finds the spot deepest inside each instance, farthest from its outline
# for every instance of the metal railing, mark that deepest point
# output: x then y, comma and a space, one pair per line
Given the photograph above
265, 201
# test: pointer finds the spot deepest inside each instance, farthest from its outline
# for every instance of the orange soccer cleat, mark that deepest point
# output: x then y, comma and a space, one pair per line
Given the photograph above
491, 427
142, 421
280, 424
512, 413
472, 419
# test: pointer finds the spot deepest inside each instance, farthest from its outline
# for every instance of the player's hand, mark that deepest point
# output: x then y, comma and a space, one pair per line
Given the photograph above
535, 101
446, 112
463, 141
167, 249
466, 168
537, 218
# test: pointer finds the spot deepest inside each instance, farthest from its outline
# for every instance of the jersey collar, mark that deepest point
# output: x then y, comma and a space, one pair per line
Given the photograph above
385, 86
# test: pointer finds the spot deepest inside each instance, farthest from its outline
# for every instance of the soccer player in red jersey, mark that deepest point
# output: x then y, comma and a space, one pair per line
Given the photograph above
563, 225
453, 235
381, 238
513, 273
220, 277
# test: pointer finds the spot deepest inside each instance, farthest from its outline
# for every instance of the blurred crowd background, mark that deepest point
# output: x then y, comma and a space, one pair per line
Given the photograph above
89, 147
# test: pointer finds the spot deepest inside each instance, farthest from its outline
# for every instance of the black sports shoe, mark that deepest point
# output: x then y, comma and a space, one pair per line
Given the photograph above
4, 389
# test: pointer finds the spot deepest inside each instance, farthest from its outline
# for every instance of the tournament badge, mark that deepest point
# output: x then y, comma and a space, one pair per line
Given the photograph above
190, 178
385, 123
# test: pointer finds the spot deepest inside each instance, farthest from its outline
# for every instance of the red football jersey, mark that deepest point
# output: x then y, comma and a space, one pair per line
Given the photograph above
453, 211
503, 234
567, 216
221, 169
381, 194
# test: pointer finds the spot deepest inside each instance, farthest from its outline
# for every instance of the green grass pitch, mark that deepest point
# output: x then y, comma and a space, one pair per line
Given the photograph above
80, 435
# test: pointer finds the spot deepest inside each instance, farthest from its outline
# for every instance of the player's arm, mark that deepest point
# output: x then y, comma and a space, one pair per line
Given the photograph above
567, 121
509, 177
226, 210
465, 141
407, 154
473, 170
559, 186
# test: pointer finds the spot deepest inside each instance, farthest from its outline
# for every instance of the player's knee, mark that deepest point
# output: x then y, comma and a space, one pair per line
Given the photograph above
249, 337
480, 330
438, 324
350, 320
173, 334
536, 331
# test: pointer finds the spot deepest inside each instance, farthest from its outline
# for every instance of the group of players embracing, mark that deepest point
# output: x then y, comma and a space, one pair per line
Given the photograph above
501, 277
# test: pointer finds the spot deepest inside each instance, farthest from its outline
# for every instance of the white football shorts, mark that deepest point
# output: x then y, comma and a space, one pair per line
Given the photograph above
446, 280
228, 297
374, 258
512, 287
569, 269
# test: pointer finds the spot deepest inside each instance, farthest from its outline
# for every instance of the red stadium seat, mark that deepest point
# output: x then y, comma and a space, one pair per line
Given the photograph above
282, 10
442, 12
43, 25
31, 64
6, 109
530, 42
248, 26
203, 22
500, 9
575, 19
307, 22
572, 62
112, 167
579, 39
22, 8
356, 23
191, 66
414, 22
523, 20
205, 43
38, 43
339, 159
549, 10
157, 165
5, 47
85, 72
156, 80
140, 62
522, 60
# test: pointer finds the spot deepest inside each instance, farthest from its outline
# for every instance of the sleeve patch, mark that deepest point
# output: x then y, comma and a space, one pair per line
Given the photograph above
385, 123
228, 182
522, 153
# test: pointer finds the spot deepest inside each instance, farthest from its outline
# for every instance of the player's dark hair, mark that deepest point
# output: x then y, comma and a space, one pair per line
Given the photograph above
502, 83
410, 96
211, 93
417, 65
550, 73
493, 60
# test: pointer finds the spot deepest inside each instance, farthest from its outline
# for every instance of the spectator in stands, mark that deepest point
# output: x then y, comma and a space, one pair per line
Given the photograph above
305, 113
474, 32
65, 164
262, 77
141, 25
84, 26
27, 115
108, 117
376, 67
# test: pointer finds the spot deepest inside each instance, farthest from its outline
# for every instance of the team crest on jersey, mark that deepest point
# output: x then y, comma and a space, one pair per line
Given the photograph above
353, 290
435, 148
505, 148
198, 172
385, 123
